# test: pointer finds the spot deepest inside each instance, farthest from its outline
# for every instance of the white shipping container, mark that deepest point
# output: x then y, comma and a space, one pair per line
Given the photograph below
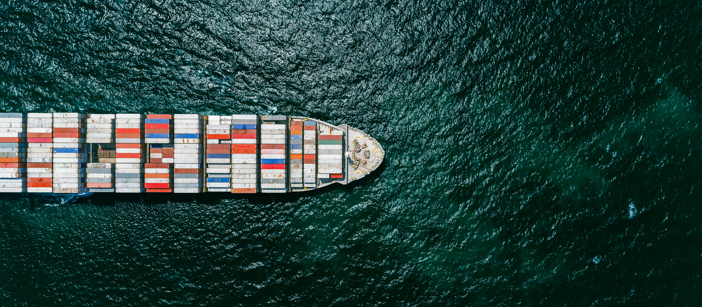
186, 180
218, 160
130, 160
39, 130
243, 161
273, 127
245, 166
128, 141
157, 180
187, 165
243, 186
273, 186
244, 116
129, 115
127, 185
253, 141
186, 116
186, 141
129, 150
244, 176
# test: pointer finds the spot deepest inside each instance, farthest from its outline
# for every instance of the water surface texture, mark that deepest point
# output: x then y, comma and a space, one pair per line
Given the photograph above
538, 152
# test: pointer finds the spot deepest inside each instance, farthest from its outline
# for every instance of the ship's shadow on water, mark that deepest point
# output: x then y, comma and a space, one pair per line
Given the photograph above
110, 199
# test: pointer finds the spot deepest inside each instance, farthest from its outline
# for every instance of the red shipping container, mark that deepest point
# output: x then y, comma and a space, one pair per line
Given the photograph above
218, 146
159, 190
9, 165
66, 135
38, 135
128, 155
159, 116
243, 151
152, 175
243, 131
98, 185
310, 157
157, 126
272, 146
38, 184
218, 151
218, 136
10, 140
330, 137
337, 175
66, 130
40, 140
150, 185
155, 160
129, 145
156, 165
272, 166
127, 130
310, 161
40, 165
247, 146
49, 180
243, 190
310, 127
187, 171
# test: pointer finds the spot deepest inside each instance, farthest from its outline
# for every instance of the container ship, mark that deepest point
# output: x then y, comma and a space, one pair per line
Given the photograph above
179, 153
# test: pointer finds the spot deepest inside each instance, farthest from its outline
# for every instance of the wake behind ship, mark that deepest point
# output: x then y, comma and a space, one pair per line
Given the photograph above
178, 153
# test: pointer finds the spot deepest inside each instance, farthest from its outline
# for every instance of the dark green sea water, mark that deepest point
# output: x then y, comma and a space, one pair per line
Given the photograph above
538, 152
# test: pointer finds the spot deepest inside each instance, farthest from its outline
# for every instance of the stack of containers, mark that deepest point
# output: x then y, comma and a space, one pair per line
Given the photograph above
187, 130
12, 153
158, 172
296, 129
310, 157
40, 145
130, 153
69, 153
244, 153
273, 139
100, 129
330, 153
218, 159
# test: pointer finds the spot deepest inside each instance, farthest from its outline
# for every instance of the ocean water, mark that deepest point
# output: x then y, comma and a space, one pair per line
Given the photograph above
537, 153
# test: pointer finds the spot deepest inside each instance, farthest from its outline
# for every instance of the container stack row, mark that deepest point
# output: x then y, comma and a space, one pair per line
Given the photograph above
40, 144
13, 153
69, 153
188, 162
244, 153
310, 151
218, 156
330, 154
129, 139
273, 155
99, 139
158, 172
296, 155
